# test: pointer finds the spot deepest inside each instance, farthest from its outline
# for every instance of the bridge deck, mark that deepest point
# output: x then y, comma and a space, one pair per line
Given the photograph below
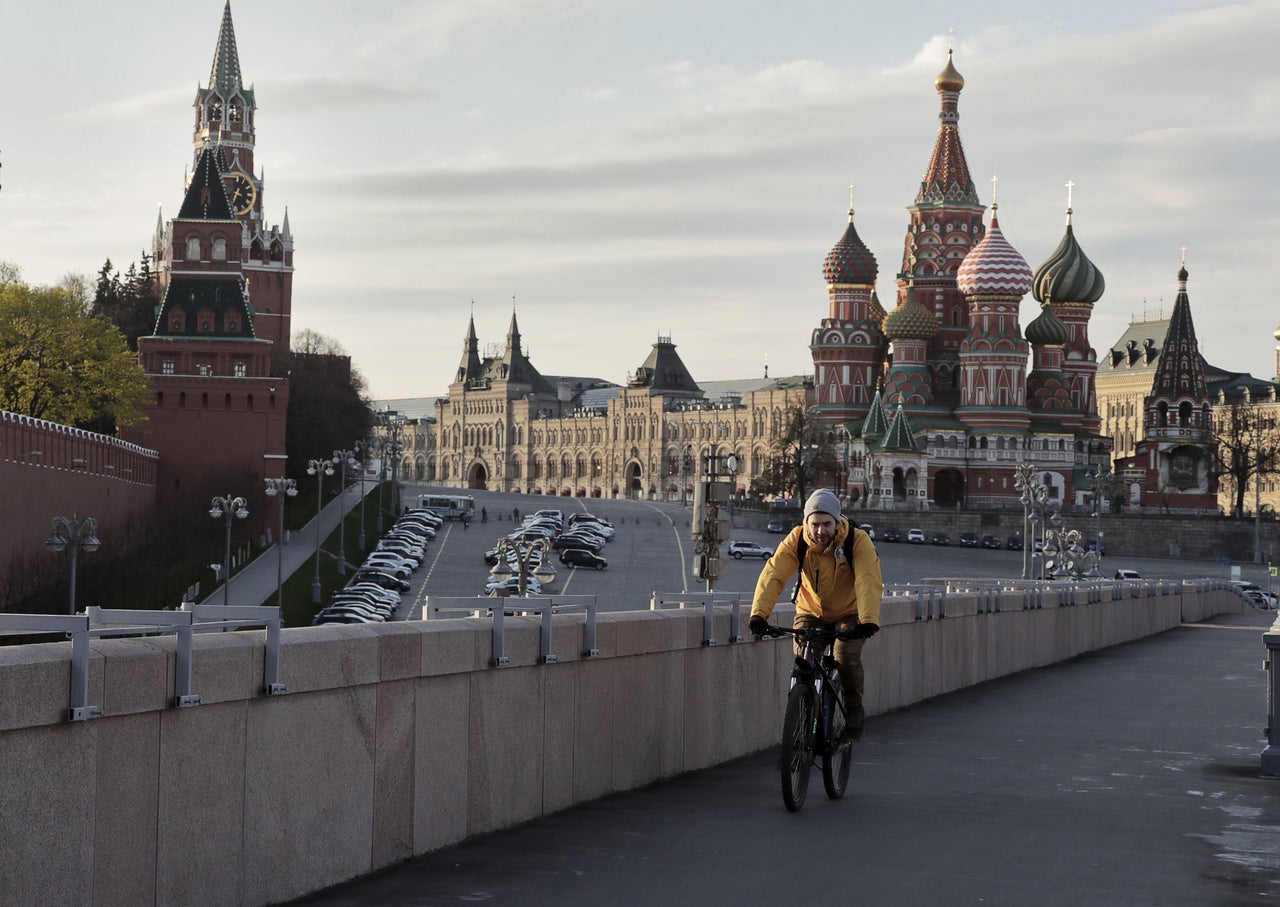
1126, 777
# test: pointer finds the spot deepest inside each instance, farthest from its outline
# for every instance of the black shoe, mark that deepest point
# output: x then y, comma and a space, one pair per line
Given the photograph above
855, 718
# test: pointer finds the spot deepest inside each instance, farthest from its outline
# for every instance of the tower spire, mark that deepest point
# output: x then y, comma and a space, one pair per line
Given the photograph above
224, 76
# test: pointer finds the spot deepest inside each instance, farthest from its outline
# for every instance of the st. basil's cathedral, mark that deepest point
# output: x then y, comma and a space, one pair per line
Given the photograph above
935, 399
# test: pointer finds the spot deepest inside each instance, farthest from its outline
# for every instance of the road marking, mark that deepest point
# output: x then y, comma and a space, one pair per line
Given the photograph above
684, 565
422, 590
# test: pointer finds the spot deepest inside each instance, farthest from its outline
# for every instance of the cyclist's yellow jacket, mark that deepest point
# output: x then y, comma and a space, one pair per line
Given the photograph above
830, 588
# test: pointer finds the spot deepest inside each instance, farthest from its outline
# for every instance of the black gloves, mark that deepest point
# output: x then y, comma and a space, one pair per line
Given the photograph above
758, 625
865, 630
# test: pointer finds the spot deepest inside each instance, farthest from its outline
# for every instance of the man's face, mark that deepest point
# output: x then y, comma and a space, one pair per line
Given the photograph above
822, 528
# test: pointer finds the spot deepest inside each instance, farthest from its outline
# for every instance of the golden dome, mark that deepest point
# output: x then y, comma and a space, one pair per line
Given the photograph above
949, 79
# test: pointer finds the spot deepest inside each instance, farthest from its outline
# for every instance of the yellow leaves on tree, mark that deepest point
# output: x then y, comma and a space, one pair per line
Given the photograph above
60, 364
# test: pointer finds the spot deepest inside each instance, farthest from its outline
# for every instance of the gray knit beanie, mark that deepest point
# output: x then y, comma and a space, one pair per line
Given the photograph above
822, 501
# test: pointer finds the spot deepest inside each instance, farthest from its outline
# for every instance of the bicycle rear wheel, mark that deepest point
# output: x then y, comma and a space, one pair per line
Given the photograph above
838, 758
797, 746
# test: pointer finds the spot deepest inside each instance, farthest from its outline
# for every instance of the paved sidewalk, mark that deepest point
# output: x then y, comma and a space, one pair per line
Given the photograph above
256, 583
1125, 777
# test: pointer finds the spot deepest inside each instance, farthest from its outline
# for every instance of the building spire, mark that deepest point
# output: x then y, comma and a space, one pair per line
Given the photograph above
224, 77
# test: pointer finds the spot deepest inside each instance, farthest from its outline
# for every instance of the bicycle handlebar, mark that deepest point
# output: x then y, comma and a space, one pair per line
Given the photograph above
811, 634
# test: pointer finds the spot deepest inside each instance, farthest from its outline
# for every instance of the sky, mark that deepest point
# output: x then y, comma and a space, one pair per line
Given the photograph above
620, 170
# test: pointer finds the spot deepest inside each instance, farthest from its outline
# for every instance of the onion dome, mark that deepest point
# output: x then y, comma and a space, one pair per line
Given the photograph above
850, 262
911, 320
1047, 329
878, 313
949, 79
1068, 275
993, 267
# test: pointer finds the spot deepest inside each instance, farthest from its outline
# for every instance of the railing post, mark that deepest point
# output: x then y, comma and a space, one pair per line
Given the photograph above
1271, 755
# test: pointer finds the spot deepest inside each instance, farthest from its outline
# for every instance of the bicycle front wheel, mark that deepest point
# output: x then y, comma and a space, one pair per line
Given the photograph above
838, 758
797, 746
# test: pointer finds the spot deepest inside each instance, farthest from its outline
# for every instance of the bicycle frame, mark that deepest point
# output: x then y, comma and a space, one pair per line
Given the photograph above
812, 667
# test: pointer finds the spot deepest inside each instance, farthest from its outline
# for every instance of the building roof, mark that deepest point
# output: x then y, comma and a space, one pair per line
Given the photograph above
206, 197
1138, 347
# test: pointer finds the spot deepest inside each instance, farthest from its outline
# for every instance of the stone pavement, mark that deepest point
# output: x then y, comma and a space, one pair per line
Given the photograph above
256, 583
1129, 776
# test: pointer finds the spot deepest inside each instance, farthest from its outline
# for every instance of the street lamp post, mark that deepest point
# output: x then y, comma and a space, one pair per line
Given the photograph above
685, 463
342, 458
72, 534
1033, 494
226, 507
284, 488
1098, 473
522, 553
318, 468
361, 448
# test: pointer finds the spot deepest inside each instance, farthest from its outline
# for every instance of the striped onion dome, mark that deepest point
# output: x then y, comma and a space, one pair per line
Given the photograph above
1068, 275
850, 262
993, 267
911, 320
1047, 329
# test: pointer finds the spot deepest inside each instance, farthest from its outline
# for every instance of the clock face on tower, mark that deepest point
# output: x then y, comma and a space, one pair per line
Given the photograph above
242, 193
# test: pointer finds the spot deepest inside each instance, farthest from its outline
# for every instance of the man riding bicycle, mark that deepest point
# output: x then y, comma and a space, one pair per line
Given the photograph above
839, 587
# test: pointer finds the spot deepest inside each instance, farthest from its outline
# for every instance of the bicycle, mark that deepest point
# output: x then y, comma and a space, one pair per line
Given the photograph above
813, 725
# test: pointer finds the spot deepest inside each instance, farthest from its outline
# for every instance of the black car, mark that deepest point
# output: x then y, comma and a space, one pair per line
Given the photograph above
891, 535
1014, 543
990, 541
968, 540
580, 557
385, 580
940, 538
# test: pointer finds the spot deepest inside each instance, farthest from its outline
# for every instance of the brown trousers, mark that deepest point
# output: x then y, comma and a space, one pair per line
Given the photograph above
848, 654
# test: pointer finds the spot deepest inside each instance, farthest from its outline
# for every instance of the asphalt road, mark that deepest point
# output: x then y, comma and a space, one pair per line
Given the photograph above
652, 552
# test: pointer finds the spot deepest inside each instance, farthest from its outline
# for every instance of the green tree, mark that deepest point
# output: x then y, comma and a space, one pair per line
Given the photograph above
60, 364
327, 406
129, 303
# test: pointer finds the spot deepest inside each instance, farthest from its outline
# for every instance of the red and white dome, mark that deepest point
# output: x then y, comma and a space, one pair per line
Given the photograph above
994, 268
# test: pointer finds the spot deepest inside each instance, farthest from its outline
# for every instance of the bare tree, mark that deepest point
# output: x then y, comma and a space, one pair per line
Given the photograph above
1248, 446
802, 453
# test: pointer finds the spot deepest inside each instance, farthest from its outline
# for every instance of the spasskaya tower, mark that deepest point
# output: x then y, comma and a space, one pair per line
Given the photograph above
225, 281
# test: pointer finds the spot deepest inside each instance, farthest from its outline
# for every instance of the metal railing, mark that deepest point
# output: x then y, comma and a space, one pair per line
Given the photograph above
96, 623
707, 601
500, 608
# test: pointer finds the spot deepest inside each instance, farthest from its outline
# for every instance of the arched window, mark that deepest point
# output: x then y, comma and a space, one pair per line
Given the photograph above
193, 248
219, 249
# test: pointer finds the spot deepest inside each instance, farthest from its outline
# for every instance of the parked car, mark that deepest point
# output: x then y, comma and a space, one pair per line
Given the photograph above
915, 536
891, 535
991, 541
580, 557
1128, 574
968, 540
1014, 543
739, 550
940, 538
511, 586
776, 526
868, 529
385, 580
1255, 593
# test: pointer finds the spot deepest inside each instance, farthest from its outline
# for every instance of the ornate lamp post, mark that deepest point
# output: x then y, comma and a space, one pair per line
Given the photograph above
685, 463
226, 507
319, 469
284, 488
1097, 473
341, 458
1034, 495
72, 534
361, 448
522, 554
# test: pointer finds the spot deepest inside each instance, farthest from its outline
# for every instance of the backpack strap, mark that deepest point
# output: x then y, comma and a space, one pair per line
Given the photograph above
802, 547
